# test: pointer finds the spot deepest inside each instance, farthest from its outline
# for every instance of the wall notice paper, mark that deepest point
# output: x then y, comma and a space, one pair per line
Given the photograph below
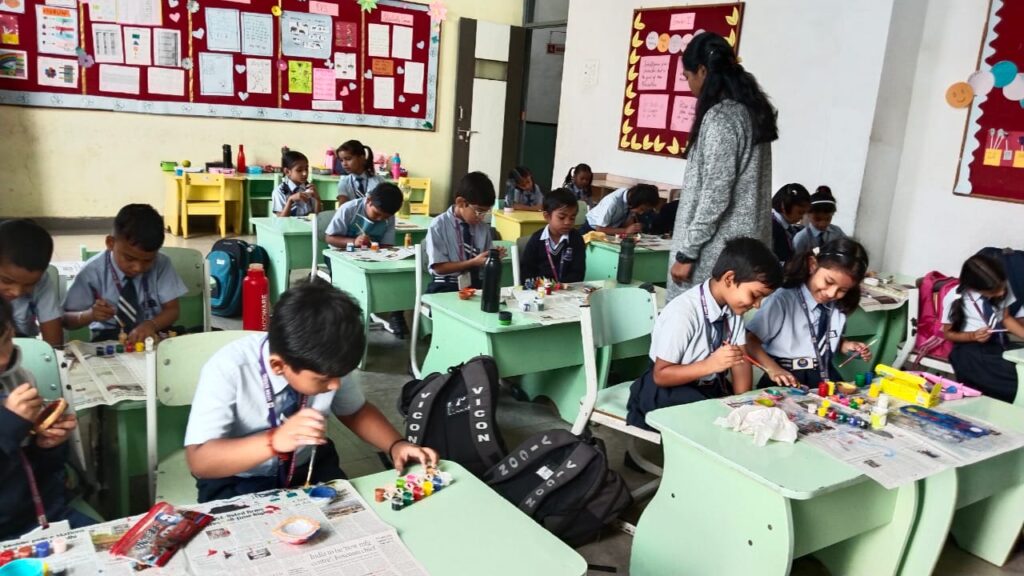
401, 42
142, 12
119, 79
383, 255
17, 6
166, 47
413, 83
345, 34
222, 30
10, 31
352, 540
378, 41
682, 21
306, 35
102, 10
653, 72
257, 75
106, 44
680, 84
138, 46
382, 67
56, 30
257, 34
560, 307
300, 77
57, 72
653, 111
324, 84
216, 74
14, 64
168, 81
400, 18
345, 66
323, 8
683, 112
104, 380
384, 93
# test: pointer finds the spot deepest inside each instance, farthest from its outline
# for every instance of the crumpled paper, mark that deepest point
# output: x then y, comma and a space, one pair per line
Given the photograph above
762, 422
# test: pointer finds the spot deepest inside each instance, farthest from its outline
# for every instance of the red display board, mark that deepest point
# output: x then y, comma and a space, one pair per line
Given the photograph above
303, 60
658, 107
992, 158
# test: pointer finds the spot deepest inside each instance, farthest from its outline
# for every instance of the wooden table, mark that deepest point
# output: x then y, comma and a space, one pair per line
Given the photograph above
518, 223
649, 264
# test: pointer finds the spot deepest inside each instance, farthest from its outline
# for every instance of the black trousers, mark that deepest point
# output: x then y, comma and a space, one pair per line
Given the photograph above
981, 366
646, 396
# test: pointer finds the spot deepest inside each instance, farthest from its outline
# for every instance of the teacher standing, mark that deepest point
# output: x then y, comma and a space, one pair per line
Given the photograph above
727, 183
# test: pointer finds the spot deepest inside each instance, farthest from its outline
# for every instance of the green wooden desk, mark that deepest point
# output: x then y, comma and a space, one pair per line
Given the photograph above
513, 225
649, 265
981, 504
726, 506
259, 190
289, 245
889, 326
499, 541
549, 358
415, 224
327, 188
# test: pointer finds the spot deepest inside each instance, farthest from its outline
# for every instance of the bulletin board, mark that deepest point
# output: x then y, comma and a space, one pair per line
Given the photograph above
992, 156
294, 60
658, 107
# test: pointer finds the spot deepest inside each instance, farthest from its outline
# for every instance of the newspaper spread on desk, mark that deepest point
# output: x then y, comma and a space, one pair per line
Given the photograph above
647, 241
104, 380
883, 297
353, 541
382, 255
560, 307
907, 449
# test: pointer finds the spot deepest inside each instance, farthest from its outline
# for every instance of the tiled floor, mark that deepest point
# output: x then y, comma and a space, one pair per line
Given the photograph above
385, 374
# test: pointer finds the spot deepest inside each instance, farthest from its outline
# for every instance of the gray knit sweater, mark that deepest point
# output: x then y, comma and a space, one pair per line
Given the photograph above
726, 191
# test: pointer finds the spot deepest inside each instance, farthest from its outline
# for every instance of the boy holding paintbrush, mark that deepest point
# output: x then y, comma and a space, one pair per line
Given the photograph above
362, 221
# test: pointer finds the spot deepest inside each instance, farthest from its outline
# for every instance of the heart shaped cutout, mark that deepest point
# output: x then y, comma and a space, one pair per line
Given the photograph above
416, 108
239, 68
401, 98
174, 16
352, 86
420, 45
286, 97
199, 33
368, 74
243, 96
172, 3
401, 70
344, 91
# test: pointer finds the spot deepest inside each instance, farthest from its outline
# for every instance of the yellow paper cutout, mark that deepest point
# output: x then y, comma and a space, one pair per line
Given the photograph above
674, 148
628, 110
633, 58
626, 128
733, 19
658, 144
1018, 159
624, 142
663, 43
637, 42
647, 142
300, 76
633, 144
992, 156
732, 38
637, 24
629, 91
632, 74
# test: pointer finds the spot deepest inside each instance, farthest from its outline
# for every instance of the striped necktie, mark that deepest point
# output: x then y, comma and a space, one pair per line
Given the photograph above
128, 306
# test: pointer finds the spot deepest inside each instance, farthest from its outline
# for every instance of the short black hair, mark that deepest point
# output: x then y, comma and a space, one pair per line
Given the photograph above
476, 188
387, 198
559, 198
519, 173
25, 244
822, 201
290, 158
792, 194
317, 327
141, 226
750, 260
642, 195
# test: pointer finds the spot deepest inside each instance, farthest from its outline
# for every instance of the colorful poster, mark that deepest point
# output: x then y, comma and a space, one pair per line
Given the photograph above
306, 35
14, 64
57, 30
382, 67
345, 34
138, 46
324, 84
300, 77
10, 33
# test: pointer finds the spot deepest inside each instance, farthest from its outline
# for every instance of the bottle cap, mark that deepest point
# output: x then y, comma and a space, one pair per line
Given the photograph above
505, 318
255, 266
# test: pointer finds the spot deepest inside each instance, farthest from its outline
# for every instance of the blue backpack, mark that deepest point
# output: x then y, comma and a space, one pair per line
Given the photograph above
229, 261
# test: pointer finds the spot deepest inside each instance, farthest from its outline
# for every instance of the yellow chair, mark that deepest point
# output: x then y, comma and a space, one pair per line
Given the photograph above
418, 191
210, 195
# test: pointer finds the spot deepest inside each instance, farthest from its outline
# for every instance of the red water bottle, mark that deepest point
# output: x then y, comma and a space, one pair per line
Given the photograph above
255, 299
240, 161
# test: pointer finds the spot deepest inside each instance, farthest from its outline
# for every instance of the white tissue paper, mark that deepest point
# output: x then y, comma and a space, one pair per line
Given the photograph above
762, 422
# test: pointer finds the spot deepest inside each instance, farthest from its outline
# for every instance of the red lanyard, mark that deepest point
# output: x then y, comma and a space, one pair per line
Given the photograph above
289, 460
37, 500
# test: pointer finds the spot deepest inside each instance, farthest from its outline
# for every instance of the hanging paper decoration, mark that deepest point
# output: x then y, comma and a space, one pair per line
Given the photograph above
367, 5
438, 11
959, 95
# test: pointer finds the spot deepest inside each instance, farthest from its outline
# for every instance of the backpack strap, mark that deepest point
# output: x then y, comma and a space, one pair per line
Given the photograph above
571, 467
421, 404
533, 447
481, 421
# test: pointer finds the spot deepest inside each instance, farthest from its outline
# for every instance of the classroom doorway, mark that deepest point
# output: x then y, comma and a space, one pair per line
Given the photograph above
545, 23
488, 98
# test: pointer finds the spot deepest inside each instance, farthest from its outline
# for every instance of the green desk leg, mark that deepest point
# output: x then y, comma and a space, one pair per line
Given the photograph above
287, 252
384, 292
990, 498
935, 509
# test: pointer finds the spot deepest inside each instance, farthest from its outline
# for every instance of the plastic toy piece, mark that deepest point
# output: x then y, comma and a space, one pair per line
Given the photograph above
765, 402
947, 421
53, 411
414, 487
907, 387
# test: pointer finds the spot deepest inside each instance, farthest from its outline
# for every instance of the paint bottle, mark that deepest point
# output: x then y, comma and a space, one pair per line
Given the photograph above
492, 282
625, 272
408, 240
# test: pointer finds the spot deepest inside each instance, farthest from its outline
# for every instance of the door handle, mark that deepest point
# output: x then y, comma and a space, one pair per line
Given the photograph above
466, 135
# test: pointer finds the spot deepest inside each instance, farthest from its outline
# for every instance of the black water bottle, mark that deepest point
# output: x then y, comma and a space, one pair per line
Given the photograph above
492, 282
227, 155
625, 275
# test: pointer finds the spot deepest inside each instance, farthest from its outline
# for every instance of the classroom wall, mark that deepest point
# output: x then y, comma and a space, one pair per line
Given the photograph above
74, 163
820, 62
930, 228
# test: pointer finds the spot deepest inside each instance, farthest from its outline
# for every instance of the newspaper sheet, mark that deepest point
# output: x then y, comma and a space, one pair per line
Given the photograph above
646, 241
353, 541
97, 380
883, 297
906, 450
560, 307
382, 255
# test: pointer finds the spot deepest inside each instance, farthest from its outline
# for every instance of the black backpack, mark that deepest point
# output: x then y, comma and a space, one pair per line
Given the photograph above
453, 413
229, 261
563, 482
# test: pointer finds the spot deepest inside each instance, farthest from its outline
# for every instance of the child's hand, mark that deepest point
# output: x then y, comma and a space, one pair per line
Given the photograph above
58, 433
859, 348
725, 357
102, 310
480, 259
634, 228
502, 252
404, 451
296, 197
981, 335
783, 378
305, 427
363, 241
25, 402
145, 330
310, 191
681, 272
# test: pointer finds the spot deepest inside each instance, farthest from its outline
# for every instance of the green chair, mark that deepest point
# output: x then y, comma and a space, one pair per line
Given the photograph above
419, 308
610, 317
581, 213
323, 219
178, 363
39, 358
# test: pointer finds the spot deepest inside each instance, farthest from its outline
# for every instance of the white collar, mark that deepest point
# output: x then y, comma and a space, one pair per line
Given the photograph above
715, 312
781, 219
545, 236
812, 304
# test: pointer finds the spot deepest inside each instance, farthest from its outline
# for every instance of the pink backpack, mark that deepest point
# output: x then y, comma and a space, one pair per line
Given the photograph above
930, 341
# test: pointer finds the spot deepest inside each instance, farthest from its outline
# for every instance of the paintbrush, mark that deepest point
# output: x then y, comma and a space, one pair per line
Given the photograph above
309, 473
754, 362
854, 354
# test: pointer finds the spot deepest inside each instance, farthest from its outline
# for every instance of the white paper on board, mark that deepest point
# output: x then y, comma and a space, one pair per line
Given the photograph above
306, 35
166, 47
257, 76
63, 3
222, 30
119, 79
216, 74
329, 105
142, 12
378, 41
56, 30
138, 46
57, 72
413, 83
401, 42
106, 44
102, 10
345, 65
257, 34
383, 93
167, 81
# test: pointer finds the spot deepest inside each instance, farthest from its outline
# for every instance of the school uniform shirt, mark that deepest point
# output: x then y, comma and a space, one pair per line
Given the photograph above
978, 311
781, 324
585, 194
358, 185
782, 237
611, 212
810, 237
230, 401
348, 220
681, 332
38, 306
568, 257
154, 288
446, 241
515, 196
286, 189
